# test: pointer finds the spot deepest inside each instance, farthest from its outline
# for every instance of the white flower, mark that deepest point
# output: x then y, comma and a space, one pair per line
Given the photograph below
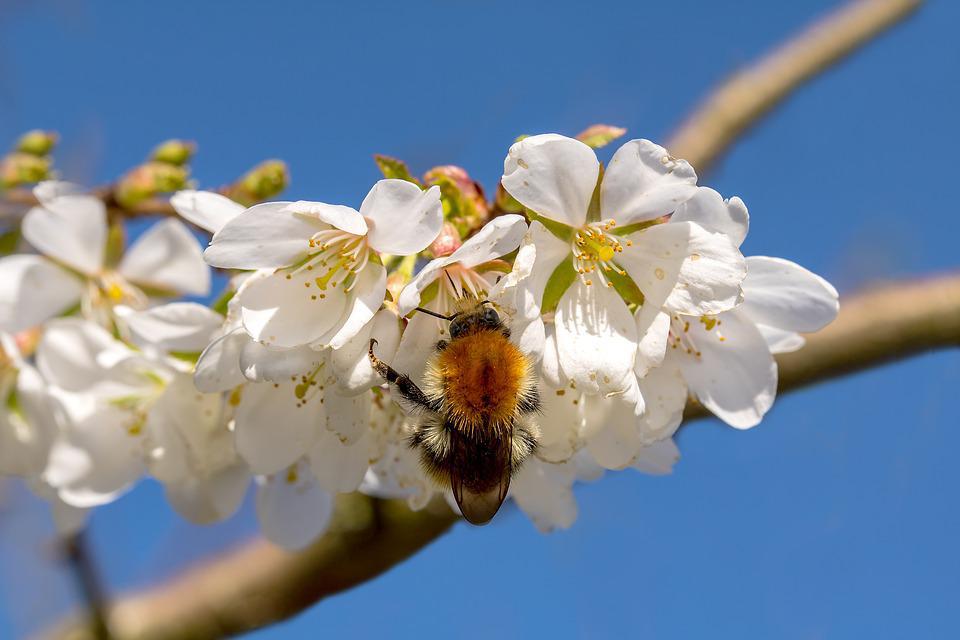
472, 270
726, 359
293, 510
126, 414
206, 209
27, 422
588, 256
69, 228
329, 280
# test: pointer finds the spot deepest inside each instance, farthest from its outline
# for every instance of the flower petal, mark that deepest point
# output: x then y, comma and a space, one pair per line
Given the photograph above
665, 396
265, 236
77, 355
178, 326
340, 467
549, 251
550, 363
402, 218
685, 268
596, 338
544, 492
560, 423
340, 216
205, 500
218, 368
708, 209
350, 362
782, 294
735, 377
781, 340
611, 432
285, 310
348, 417
34, 289
658, 458
167, 257
497, 238
653, 327
71, 229
365, 299
49, 191
97, 458
260, 363
206, 209
417, 344
292, 508
643, 182
553, 175
272, 427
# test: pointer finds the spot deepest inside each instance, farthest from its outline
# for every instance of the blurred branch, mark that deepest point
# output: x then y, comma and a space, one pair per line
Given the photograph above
259, 584
153, 206
77, 557
750, 94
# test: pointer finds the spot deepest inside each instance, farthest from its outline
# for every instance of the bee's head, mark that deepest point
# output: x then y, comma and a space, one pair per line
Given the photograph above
483, 316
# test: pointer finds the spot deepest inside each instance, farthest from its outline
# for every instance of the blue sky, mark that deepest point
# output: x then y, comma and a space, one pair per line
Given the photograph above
835, 518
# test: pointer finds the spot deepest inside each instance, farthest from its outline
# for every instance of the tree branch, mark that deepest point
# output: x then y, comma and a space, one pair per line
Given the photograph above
753, 92
259, 584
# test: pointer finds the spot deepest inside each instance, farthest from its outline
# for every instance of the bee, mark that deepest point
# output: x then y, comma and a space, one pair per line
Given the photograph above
476, 426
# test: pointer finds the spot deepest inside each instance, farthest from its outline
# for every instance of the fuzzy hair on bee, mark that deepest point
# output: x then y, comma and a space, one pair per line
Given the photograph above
476, 411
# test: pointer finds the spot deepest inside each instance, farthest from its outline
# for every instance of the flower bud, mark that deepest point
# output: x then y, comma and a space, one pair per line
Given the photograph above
175, 152
27, 340
396, 281
600, 135
463, 201
447, 242
37, 142
506, 202
394, 168
263, 182
144, 182
20, 168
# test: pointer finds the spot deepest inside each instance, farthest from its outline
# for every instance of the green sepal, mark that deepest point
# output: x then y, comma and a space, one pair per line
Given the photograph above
394, 168
560, 280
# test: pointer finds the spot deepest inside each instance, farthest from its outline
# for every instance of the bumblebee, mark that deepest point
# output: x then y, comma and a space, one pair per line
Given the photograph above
475, 427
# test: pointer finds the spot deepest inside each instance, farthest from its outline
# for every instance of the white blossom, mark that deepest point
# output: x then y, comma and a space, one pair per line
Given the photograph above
329, 279
69, 229
588, 253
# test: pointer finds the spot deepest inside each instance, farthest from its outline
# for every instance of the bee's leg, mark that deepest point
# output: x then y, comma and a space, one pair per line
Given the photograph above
441, 345
408, 390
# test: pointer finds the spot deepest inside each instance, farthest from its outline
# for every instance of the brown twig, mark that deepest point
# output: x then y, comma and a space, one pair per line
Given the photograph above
750, 94
77, 557
259, 584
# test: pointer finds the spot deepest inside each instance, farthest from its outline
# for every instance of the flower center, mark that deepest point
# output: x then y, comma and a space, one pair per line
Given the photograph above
108, 290
337, 256
594, 252
139, 403
681, 338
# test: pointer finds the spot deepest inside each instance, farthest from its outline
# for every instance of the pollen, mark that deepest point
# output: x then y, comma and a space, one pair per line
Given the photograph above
332, 252
594, 251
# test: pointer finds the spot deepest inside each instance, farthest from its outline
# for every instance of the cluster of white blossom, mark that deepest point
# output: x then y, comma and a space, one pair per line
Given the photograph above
625, 285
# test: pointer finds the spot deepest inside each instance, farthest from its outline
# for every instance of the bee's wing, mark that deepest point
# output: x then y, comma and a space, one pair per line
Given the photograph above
480, 507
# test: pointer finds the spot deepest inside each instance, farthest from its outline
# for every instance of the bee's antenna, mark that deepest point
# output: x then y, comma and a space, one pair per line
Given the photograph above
450, 280
435, 314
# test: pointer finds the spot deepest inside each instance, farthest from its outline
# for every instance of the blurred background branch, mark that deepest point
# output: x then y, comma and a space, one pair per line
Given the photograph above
737, 104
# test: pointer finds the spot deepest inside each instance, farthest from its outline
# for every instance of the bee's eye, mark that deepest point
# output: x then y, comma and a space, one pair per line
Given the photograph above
490, 317
457, 328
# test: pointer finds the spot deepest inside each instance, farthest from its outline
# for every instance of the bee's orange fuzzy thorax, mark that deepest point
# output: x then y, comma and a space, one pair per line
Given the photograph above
482, 375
